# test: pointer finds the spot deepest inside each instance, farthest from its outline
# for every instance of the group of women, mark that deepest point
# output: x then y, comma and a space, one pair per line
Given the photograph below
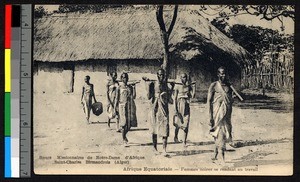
121, 105
120, 102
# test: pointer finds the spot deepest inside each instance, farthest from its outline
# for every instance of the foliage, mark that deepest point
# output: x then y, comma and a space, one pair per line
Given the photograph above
221, 25
39, 12
257, 40
266, 12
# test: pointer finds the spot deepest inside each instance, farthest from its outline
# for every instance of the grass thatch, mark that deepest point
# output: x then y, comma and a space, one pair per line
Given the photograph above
125, 34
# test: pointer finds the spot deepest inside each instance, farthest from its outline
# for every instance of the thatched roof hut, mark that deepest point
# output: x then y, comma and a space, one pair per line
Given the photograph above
123, 34
133, 35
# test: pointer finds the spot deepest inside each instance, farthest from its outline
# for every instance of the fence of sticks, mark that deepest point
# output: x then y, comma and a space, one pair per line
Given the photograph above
275, 76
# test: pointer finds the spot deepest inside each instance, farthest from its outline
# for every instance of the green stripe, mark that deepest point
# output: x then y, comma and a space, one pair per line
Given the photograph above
7, 114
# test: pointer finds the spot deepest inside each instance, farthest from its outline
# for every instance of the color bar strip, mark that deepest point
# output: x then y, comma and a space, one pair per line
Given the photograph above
7, 161
7, 115
7, 92
15, 19
7, 25
7, 70
7, 132
7, 99
15, 90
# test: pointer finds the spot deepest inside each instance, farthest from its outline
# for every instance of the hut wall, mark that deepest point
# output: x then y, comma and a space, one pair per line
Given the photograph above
52, 78
98, 71
204, 73
235, 80
203, 81
56, 77
182, 68
137, 69
197, 73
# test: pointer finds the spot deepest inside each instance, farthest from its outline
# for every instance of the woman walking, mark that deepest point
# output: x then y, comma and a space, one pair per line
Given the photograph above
127, 109
87, 96
112, 109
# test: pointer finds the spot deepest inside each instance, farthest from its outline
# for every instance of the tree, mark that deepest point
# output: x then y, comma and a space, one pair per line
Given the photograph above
39, 12
260, 42
266, 12
165, 34
221, 25
255, 38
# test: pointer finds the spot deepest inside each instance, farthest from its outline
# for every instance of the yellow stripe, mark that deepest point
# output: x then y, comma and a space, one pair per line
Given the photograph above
7, 70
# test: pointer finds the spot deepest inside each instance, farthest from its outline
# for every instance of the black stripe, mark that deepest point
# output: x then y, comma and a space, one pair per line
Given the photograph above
15, 16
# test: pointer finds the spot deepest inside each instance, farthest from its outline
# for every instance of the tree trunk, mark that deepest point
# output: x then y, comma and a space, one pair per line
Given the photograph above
165, 34
165, 64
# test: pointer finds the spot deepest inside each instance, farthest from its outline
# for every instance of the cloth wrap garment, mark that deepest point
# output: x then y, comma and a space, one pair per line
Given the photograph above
158, 94
127, 107
183, 106
112, 91
222, 109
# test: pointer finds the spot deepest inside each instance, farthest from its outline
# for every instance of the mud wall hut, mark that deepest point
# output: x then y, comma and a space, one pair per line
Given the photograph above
69, 46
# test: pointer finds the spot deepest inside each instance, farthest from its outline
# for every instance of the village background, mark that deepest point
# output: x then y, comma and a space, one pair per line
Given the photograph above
71, 42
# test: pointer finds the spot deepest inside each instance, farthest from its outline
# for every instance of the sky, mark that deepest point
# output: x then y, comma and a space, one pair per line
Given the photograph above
240, 19
249, 20
257, 21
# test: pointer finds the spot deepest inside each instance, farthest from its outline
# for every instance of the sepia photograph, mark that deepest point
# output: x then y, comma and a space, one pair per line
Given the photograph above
163, 89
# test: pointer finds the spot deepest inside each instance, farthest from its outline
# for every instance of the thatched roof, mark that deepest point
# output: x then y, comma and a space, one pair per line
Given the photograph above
125, 34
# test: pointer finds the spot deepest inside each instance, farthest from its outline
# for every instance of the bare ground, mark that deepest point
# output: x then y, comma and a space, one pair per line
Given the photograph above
263, 138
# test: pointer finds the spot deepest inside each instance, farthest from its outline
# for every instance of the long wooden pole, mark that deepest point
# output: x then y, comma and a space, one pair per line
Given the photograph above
236, 93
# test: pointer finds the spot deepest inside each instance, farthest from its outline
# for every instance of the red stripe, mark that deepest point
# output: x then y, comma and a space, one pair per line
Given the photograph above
7, 26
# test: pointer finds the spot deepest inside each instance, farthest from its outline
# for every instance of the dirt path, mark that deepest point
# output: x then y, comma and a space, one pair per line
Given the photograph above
264, 139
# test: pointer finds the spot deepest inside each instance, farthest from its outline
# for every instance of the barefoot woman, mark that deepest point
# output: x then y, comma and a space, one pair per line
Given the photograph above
86, 97
127, 109
112, 110
220, 108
